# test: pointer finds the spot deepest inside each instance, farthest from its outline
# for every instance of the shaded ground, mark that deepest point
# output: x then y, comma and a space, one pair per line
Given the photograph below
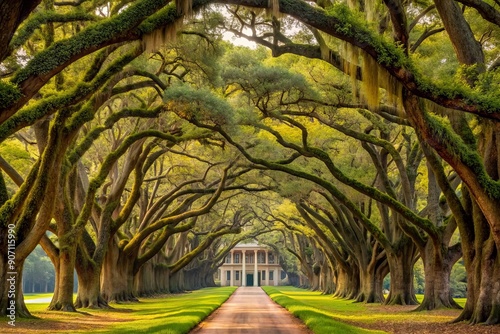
431, 322
391, 319
161, 314
66, 322
250, 310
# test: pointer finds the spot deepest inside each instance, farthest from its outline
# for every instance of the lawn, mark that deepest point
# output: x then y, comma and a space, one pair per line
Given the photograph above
179, 313
321, 313
324, 314
169, 314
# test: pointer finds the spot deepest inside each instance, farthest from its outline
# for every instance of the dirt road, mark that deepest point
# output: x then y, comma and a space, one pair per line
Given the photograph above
250, 310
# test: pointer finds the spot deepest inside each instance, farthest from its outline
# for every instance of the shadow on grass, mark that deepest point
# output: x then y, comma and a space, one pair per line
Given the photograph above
174, 314
319, 321
178, 322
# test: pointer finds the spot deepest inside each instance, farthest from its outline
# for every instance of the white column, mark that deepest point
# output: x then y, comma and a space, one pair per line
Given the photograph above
232, 257
275, 277
243, 271
232, 277
267, 266
255, 271
266, 281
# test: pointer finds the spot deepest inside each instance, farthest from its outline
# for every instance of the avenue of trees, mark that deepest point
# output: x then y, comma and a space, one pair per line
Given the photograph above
359, 139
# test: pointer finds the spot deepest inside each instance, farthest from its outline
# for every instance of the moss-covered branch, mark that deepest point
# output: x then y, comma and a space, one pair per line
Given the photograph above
36, 20
374, 230
106, 166
86, 142
180, 216
372, 192
124, 27
48, 106
187, 258
341, 23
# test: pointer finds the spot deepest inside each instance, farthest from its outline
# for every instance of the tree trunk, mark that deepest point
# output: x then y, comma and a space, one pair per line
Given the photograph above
148, 281
401, 268
370, 287
327, 285
117, 283
12, 13
486, 296
437, 270
12, 303
62, 300
209, 280
348, 283
194, 279
481, 258
162, 279
315, 278
176, 282
89, 290
295, 280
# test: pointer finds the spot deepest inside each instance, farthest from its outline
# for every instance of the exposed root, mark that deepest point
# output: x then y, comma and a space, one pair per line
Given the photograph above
100, 303
64, 307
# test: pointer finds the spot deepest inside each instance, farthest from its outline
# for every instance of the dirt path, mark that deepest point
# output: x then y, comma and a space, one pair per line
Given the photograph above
250, 310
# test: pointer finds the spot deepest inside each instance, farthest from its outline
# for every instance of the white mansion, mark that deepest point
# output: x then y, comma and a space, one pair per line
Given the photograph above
250, 265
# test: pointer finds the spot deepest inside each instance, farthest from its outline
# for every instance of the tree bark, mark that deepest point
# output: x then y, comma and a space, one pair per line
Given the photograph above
11, 290
89, 290
437, 271
12, 13
62, 299
401, 267
117, 283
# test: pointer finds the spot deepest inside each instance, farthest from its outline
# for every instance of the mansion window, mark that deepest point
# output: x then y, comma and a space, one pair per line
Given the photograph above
237, 275
271, 275
263, 275
237, 258
228, 275
261, 257
271, 258
228, 258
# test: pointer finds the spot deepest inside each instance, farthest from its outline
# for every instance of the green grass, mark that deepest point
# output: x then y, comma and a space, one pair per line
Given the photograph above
180, 313
169, 314
173, 315
319, 312
324, 314
461, 301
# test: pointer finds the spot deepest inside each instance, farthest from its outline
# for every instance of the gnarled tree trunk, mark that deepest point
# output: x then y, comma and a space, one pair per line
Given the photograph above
117, 282
401, 267
437, 271
89, 290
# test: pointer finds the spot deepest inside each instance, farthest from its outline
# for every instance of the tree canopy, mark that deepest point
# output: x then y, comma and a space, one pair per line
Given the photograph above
138, 146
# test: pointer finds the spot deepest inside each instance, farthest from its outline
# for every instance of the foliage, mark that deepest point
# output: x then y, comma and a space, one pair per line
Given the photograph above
418, 279
198, 104
8, 93
38, 272
458, 280
75, 71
